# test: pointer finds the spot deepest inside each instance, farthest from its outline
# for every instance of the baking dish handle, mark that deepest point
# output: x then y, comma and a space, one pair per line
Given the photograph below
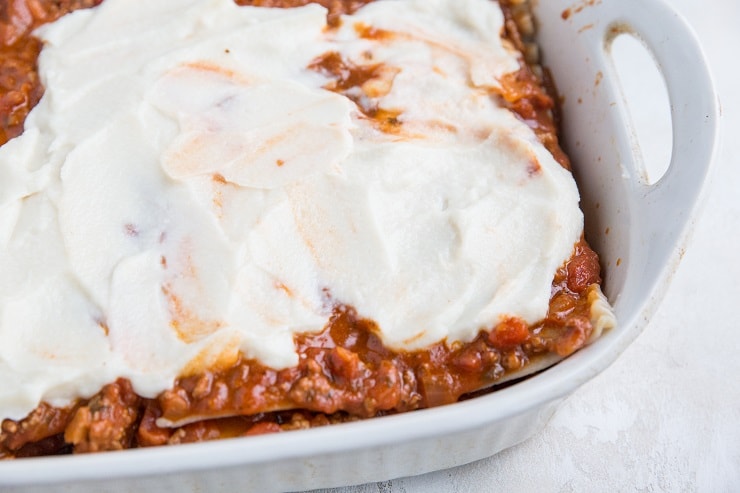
659, 213
647, 223
666, 206
694, 108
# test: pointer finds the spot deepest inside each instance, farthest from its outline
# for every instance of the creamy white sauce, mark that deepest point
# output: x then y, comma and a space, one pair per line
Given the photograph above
187, 189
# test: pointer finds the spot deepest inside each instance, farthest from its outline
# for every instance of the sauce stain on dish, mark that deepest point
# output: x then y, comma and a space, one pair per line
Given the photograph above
577, 8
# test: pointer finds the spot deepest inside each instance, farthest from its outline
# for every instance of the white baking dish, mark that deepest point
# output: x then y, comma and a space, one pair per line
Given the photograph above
647, 226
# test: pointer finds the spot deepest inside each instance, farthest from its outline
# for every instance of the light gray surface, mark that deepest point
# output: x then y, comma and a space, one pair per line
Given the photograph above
666, 415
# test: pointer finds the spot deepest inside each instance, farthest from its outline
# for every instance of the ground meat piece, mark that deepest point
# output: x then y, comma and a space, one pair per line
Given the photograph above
200, 431
107, 421
45, 421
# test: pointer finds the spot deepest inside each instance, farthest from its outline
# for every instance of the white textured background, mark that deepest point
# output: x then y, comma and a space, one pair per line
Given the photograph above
666, 415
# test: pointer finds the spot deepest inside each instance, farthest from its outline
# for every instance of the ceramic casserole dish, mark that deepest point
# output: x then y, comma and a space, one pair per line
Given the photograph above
648, 226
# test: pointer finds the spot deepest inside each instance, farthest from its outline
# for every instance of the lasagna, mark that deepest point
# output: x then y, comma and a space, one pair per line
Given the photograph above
225, 219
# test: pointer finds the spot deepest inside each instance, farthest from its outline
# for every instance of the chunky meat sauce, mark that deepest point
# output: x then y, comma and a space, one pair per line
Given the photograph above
345, 372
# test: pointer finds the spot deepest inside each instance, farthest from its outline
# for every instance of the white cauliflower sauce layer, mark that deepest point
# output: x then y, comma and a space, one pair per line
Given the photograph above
187, 190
